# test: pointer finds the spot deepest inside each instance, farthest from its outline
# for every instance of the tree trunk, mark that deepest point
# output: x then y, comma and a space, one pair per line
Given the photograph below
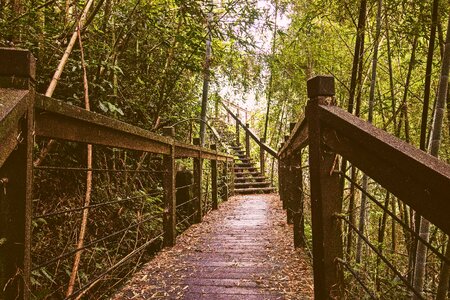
426, 97
62, 63
444, 276
87, 199
435, 141
357, 57
269, 93
391, 78
364, 205
206, 74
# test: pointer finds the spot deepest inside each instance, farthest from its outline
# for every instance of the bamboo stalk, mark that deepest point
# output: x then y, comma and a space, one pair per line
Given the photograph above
87, 198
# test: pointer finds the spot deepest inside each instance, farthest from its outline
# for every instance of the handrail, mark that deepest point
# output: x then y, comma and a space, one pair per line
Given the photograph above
420, 180
13, 107
59, 120
25, 115
267, 148
298, 139
214, 132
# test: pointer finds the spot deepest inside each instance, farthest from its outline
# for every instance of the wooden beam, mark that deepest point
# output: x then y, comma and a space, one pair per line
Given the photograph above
169, 216
17, 73
325, 199
417, 178
198, 174
214, 177
59, 120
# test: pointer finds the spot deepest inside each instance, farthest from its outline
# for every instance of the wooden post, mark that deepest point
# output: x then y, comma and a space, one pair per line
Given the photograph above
325, 196
288, 187
247, 141
224, 181
198, 171
290, 192
238, 138
17, 71
214, 176
291, 126
169, 192
281, 180
231, 166
262, 163
297, 203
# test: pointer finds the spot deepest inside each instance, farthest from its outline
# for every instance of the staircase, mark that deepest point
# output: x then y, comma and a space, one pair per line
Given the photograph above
248, 180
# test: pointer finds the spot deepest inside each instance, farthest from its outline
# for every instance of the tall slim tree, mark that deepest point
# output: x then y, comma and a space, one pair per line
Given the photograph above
357, 60
363, 211
435, 142
206, 76
269, 93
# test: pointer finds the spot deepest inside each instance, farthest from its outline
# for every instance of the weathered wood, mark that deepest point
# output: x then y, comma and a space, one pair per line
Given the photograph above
17, 69
214, 190
226, 257
419, 179
59, 120
224, 181
297, 201
232, 177
282, 181
12, 109
169, 216
198, 170
297, 140
251, 133
325, 200
291, 127
288, 186
262, 159
238, 138
183, 184
247, 141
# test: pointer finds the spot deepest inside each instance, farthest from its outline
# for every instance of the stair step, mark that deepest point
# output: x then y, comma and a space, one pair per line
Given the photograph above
237, 168
244, 165
244, 179
247, 174
251, 184
243, 159
264, 190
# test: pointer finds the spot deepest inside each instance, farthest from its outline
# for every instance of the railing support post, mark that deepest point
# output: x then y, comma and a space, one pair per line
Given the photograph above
224, 181
325, 196
298, 198
169, 192
262, 159
247, 141
17, 71
238, 138
214, 176
282, 181
231, 167
288, 187
198, 166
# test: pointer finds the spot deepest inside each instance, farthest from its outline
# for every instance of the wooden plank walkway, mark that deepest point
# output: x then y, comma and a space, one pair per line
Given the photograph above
244, 250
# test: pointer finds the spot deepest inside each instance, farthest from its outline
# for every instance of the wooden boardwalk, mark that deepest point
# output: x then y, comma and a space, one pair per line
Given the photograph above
244, 250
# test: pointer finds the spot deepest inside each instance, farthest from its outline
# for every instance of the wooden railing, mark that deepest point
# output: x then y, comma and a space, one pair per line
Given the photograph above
24, 116
418, 179
249, 134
